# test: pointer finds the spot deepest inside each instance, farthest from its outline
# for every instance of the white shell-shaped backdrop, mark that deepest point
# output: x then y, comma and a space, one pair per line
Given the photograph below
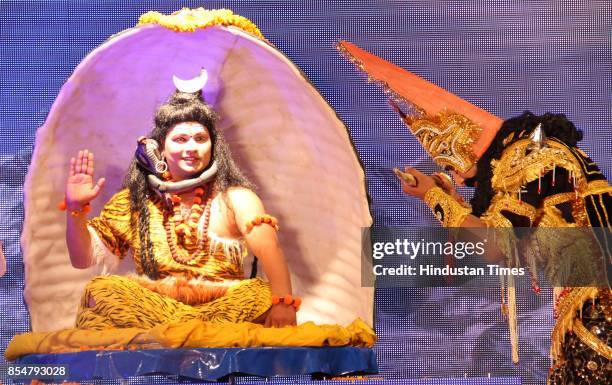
282, 133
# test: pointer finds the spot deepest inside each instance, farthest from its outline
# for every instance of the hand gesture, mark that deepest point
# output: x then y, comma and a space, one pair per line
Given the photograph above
423, 183
80, 187
444, 182
281, 315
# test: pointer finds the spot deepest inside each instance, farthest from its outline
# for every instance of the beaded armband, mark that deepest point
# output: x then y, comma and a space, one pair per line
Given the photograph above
448, 211
262, 220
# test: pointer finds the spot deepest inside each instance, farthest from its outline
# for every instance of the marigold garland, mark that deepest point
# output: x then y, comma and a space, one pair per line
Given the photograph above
190, 20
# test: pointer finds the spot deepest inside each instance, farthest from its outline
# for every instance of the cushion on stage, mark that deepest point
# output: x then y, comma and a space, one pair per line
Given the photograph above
191, 334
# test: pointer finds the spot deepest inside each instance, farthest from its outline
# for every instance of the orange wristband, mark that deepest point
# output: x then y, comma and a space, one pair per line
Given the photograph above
287, 300
84, 209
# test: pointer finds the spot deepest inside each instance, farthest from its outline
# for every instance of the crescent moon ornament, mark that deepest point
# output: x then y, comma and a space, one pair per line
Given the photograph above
192, 85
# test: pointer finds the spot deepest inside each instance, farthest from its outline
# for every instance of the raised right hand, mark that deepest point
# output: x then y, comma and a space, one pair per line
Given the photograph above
80, 187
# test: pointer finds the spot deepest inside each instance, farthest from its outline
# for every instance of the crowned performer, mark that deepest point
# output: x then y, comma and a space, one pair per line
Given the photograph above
528, 172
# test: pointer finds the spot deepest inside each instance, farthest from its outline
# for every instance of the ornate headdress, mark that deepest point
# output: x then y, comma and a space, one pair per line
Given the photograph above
453, 131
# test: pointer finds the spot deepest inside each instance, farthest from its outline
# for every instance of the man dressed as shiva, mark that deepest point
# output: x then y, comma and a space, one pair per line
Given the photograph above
161, 264
186, 213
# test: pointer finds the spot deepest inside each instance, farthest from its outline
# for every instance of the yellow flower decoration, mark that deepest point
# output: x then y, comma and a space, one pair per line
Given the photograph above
190, 20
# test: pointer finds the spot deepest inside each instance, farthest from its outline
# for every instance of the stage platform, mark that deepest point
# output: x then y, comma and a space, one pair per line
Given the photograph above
327, 365
377, 380
210, 364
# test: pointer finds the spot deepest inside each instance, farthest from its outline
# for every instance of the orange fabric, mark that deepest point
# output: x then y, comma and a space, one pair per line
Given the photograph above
191, 334
425, 94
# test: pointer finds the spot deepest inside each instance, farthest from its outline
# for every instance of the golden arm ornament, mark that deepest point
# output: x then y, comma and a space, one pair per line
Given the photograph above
447, 209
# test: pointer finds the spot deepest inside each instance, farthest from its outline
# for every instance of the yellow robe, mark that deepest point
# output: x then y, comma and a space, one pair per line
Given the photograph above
137, 302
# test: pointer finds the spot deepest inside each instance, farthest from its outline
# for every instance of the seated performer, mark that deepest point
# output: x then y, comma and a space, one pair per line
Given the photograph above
185, 213
528, 172
188, 234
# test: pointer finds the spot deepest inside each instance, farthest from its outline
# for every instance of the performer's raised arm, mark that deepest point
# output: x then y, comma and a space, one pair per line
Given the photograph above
80, 191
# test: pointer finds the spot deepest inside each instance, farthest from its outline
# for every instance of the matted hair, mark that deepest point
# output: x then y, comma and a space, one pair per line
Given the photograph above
181, 107
553, 125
